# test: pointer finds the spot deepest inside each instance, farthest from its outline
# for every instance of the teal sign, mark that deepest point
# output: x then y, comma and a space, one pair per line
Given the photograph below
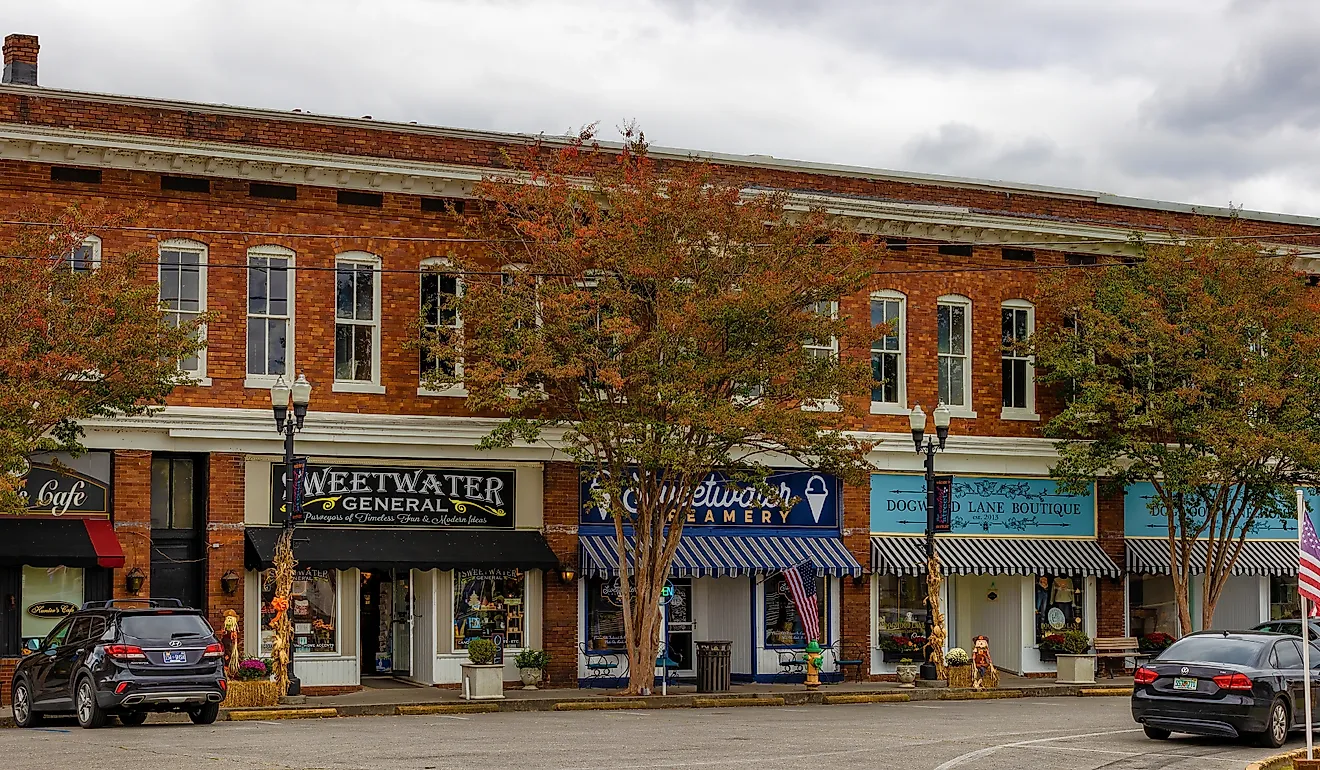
1144, 516
983, 505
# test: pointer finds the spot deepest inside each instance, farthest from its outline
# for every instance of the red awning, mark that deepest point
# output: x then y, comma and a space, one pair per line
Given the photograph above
104, 541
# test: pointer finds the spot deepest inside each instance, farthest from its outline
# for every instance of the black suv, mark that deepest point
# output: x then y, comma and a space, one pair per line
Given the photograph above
124, 657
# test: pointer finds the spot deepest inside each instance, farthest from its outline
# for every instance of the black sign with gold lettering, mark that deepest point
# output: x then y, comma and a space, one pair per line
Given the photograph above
51, 609
401, 496
62, 485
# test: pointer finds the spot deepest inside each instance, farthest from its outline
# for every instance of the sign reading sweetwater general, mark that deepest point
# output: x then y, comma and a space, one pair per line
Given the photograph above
399, 496
63, 485
983, 505
1144, 515
803, 499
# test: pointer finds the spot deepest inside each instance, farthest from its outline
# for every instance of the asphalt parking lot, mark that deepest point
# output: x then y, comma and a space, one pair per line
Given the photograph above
1037, 733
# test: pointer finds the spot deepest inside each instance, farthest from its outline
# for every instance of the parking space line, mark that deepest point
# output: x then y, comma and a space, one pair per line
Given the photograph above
971, 755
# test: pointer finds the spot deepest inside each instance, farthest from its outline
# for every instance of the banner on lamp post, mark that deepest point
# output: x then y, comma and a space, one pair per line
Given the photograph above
943, 498
299, 470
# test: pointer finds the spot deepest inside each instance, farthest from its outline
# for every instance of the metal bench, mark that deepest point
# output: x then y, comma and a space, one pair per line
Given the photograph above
846, 657
601, 664
1120, 647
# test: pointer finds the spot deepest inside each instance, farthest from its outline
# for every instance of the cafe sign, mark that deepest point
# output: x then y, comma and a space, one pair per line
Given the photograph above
799, 499
982, 505
51, 609
58, 484
399, 496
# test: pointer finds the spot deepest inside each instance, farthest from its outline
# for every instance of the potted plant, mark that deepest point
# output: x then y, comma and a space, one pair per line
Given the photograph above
907, 672
531, 664
251, 685
959, 666
483, 678
1155, 643
897, 647
1075, 664
1050, 647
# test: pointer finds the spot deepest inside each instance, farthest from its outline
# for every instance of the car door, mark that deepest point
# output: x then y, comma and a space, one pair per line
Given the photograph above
1287, 658
43, 660
1315, 684
65, 660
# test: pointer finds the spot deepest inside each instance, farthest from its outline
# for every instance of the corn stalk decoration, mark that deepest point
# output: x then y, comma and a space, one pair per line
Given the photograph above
935, 642
282, 623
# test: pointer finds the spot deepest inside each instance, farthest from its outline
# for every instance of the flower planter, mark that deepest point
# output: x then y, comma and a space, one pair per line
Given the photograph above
1076, 669
258, 692
960, 676
483, 682
894, 657
907, 674
1048, 656
529, 676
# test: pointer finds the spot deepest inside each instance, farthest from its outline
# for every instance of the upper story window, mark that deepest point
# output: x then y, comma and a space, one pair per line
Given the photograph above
888, 348
440, 289
357, 322
86, 256
954, 341
1019, 388
182, 273
824, 348
270, 311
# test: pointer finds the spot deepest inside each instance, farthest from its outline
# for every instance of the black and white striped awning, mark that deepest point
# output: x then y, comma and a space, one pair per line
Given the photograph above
1150, 556
729, 556
993, 556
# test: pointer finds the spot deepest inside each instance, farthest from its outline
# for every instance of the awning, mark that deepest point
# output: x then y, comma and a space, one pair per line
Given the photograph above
1150, 556
340, 548
55, 542
993, 556
730, 556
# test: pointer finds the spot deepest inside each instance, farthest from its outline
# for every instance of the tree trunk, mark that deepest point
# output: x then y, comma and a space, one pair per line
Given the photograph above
1180, 599
643, 649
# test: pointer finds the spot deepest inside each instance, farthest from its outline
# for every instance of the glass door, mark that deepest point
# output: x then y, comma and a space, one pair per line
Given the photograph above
681, 627
401, 636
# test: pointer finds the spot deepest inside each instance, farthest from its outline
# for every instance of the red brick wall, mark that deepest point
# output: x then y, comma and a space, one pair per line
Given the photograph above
1110, 606
855, 609
559, 615
7, 666
132, 517
224, 527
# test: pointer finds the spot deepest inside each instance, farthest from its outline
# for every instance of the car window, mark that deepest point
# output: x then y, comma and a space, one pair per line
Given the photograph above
80, 631
1289, 654
164, 627
57, 637
98, 627
1213, 648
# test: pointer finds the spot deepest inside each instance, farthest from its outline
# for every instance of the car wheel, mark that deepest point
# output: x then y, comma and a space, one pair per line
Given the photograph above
1156, 733
24, 714
1276, 727
133, 718
204, 715
90, 714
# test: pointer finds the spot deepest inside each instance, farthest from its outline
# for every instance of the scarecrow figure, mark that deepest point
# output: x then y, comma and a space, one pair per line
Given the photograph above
229, 643
984, 675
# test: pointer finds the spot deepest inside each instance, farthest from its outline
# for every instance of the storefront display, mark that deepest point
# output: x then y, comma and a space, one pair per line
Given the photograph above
1284, 602
312, 606
901, 605
783, 627
604, 615
488, 603
1059, 604
49, 594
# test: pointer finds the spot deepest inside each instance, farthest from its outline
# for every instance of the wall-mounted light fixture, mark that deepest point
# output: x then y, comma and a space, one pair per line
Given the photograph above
229, 583
134, 580
566, 573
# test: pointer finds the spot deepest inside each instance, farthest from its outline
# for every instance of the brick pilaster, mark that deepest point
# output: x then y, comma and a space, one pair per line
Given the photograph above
132, 517
559, 615
1110, 607
224, 527
855, 610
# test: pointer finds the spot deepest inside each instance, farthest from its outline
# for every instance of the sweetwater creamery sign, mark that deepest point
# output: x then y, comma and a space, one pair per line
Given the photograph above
400, 496
790, 499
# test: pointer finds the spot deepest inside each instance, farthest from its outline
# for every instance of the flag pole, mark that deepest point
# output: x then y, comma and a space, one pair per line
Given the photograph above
1306, 631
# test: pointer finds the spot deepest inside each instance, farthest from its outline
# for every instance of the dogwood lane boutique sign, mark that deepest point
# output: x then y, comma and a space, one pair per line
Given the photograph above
983, 505
400, 496
800, 499
1145, 516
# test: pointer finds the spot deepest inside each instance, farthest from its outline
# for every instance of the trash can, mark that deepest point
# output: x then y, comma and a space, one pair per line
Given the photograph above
714, 666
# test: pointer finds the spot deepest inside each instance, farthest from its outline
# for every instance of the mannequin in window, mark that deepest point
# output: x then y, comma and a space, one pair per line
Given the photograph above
1061, 595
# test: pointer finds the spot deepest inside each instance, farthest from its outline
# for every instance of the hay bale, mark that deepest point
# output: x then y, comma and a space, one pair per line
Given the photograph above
260, 692
960, 676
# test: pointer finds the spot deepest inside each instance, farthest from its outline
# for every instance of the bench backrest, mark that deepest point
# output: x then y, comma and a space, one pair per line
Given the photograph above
1115, 643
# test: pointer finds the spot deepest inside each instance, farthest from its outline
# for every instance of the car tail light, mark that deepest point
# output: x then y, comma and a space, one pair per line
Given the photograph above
119, 688
1233, 682
214, 651
125, 652
224, 684
1144, 675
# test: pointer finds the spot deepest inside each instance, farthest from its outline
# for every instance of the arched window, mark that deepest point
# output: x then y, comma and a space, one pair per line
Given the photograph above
182, 275
1019, 380
441, 287
357, 323
269, 313
86, 256
954, 343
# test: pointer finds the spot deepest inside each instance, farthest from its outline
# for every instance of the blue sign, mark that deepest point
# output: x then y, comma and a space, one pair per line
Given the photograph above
1144, 516
803, 499
983, 505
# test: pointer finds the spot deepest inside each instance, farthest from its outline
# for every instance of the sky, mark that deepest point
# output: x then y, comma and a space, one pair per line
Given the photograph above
1214, 102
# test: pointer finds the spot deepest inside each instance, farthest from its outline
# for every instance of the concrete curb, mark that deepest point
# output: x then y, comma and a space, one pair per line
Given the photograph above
1282, 761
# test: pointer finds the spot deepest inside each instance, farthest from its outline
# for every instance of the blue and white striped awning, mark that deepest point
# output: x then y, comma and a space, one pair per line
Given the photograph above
906, 555
730, 556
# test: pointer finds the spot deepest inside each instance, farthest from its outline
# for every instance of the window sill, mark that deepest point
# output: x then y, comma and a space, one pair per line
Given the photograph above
200, 382
822, 406
962, 411
1025, 415
260, 381
456, 391
357, 387
883, 407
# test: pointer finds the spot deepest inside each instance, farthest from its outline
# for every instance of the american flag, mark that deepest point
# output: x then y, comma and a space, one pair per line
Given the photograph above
1308, 576
802, 585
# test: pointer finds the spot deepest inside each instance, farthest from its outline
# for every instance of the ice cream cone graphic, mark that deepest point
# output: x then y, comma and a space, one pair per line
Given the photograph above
816, 493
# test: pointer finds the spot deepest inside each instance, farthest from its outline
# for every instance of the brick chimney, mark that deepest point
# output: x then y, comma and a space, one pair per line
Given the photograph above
21, 60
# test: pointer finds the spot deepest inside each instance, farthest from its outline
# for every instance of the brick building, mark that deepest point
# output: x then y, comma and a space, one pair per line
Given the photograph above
301, 236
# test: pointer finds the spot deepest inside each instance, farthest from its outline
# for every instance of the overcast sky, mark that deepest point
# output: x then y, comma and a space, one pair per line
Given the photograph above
1202, 101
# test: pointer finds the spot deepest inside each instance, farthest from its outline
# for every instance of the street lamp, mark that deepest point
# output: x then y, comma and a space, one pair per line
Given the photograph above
917, 421
281, 395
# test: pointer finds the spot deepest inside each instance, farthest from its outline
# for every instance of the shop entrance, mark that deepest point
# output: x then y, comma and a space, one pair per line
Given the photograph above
385, 624
681, 626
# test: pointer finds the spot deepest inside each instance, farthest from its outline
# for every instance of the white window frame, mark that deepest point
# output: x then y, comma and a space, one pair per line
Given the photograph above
374, 262
202, 252
957, 300
1029, 412
264, 381
832, 404
456, 390
899, 407
93, 243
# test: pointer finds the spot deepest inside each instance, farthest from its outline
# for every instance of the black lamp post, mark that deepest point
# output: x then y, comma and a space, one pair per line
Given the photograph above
917, 421
281, 396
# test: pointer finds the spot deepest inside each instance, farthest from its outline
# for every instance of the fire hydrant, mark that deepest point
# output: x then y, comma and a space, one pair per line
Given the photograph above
814, 659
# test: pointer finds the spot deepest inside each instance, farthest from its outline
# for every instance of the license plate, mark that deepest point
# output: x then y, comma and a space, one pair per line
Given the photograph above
176, 656
1184, 683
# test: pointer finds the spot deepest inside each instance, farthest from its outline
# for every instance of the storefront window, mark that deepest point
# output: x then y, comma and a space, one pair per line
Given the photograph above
1151, 606
783, 628
49, 594
902, 605
488, 603
312, 607
1283, 598
604, 615
1060, 604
